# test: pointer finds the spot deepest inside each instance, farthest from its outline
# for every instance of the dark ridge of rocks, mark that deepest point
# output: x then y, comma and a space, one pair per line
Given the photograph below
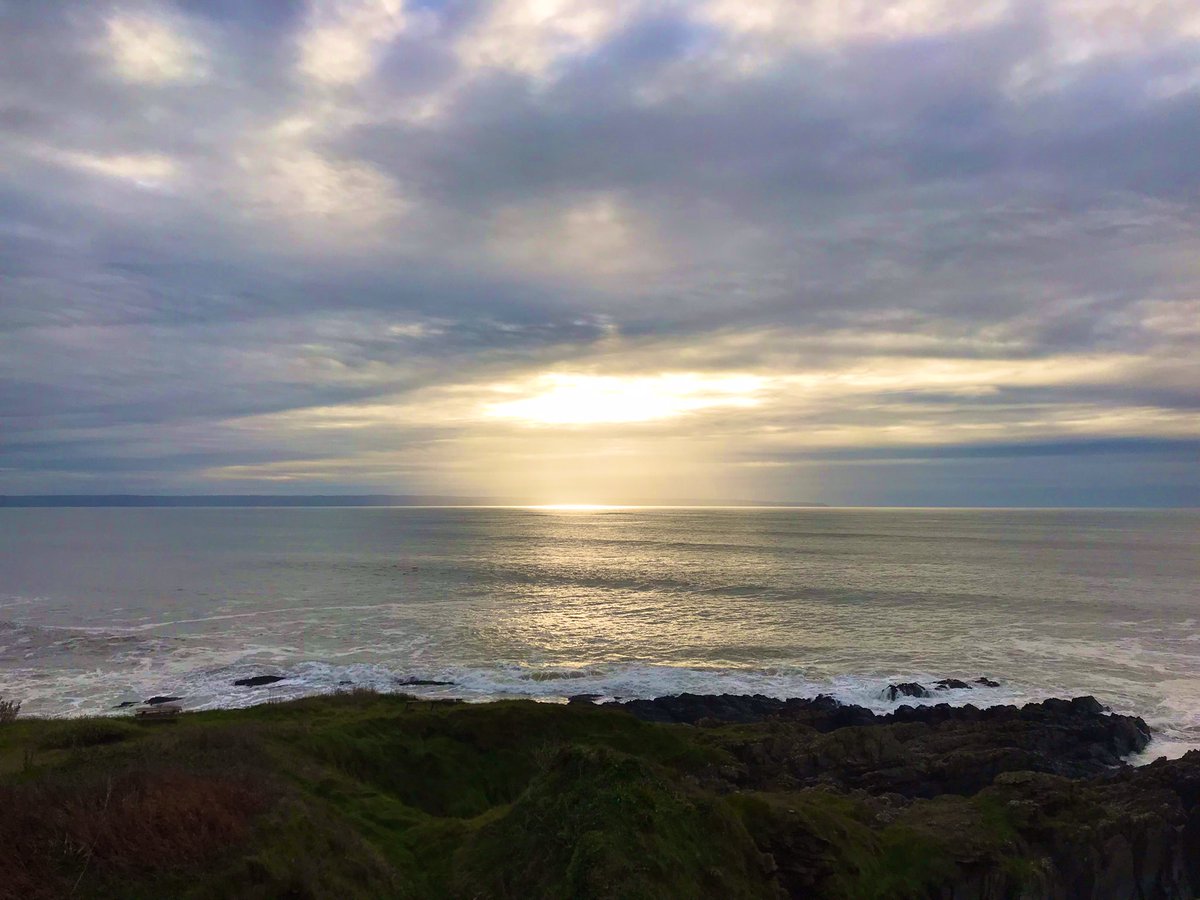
155, 701
987, 682
125, 704
918, 751
259, 680
420, 682
906, 689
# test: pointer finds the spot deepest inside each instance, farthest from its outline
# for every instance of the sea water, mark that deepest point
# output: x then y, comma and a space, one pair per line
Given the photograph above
100, 606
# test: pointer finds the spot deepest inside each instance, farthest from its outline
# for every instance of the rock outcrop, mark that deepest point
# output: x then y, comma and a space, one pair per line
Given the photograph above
920, 751
259, 680
905, 689
1007, 802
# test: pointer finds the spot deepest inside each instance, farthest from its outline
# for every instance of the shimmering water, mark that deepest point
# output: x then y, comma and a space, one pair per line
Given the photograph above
103, 605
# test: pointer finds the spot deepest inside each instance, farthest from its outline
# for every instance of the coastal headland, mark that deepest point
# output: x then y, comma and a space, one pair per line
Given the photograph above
368, 795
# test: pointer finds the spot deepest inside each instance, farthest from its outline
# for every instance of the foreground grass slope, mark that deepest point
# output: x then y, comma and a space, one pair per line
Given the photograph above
364, 795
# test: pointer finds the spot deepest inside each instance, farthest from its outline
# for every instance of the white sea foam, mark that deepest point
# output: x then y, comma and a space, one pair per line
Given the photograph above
212, 686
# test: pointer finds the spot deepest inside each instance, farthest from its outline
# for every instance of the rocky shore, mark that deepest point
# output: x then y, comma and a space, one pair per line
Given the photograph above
920, 751
1049, 776
366, 795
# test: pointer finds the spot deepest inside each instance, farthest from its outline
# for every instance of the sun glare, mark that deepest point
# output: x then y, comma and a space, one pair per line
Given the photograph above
561, 399
575, 507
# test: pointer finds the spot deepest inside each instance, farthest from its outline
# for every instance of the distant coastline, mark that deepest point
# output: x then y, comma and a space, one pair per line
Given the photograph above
26, 501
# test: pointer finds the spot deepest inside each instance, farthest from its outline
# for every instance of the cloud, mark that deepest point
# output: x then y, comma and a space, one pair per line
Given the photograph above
531, 37
147, 170
249, 246
344, 37
150, 50
596, 234
566, 399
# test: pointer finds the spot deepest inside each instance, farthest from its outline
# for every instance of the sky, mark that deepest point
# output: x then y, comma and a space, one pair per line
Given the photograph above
893, 252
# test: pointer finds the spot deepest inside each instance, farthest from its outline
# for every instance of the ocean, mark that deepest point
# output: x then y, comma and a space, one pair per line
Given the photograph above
101, 606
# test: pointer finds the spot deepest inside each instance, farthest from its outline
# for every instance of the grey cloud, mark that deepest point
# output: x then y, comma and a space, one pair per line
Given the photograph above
907, 188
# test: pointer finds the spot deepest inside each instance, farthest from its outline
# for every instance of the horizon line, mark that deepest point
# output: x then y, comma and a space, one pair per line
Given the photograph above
297, 501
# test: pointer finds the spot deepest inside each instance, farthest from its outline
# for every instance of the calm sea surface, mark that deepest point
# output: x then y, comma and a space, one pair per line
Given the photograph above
98, 606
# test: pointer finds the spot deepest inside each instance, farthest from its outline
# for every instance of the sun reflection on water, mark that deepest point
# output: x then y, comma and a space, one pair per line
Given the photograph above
577, 507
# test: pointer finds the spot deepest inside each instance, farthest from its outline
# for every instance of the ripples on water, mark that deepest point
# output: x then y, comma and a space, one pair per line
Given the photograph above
102, 605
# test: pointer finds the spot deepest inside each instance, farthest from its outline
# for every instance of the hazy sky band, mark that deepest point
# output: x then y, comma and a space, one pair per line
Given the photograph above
907, 252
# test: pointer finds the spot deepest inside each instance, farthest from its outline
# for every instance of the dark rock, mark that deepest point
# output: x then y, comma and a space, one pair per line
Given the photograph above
259, 680
583, 699
155, 701
1132, 833
951, 684
125, 704
987, 682
905, 689
918, 751
416, 682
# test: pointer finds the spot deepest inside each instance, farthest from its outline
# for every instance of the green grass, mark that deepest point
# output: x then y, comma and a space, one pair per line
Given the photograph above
364, 795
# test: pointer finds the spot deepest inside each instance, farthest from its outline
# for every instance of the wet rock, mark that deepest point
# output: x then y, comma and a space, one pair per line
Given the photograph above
125, 704
419, 682
583, 699
987, 682
259, 680
155, 701
951, 684
906, 689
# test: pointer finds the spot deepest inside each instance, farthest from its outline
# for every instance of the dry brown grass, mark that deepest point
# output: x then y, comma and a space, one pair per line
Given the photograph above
136, 823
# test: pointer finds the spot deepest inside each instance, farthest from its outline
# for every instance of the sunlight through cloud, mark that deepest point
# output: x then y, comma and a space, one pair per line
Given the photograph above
146, 50
564, 399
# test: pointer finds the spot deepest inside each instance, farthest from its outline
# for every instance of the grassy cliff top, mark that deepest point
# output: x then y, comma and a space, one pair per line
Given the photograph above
364, 795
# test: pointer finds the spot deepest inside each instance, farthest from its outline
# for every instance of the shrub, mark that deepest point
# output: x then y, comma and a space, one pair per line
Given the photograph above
8, 710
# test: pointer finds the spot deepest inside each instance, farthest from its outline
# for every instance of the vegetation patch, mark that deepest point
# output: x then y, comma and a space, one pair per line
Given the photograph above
372, 796
85, 733
57, 831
